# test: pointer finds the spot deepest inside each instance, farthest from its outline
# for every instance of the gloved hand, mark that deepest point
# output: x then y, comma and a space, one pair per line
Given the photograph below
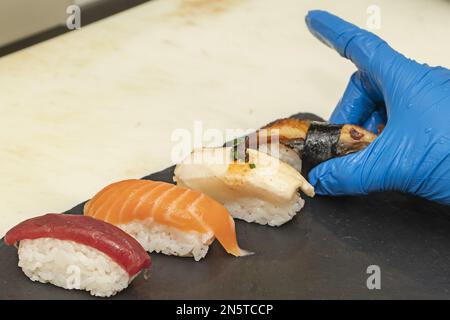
412, 154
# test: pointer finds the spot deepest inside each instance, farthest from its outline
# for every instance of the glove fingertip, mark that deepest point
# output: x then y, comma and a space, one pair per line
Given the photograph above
318, 177
313, 176
320, 24
314, 14
338, 176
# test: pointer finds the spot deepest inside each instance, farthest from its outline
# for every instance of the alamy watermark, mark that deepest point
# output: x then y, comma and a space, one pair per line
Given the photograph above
212, 146
185, 141
74, 19
374, 280
373, 21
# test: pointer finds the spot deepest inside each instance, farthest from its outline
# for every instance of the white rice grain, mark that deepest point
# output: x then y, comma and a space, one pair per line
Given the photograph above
167, 240
71, 265
264, 212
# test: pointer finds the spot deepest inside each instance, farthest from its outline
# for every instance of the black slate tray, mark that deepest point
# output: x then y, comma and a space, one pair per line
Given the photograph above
322, 253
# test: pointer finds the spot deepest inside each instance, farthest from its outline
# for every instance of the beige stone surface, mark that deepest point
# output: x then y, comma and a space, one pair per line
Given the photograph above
100, 104
22, 18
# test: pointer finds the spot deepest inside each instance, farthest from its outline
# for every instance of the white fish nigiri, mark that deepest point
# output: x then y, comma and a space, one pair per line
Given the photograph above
262, 190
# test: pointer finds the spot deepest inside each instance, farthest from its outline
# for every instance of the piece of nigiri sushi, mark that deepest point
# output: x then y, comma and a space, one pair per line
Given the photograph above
166, 218
78, 252
280, 151
263, 189
319, 141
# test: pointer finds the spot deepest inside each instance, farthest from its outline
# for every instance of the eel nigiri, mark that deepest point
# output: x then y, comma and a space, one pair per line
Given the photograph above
259, 189
314, 141
78, 252
166, 218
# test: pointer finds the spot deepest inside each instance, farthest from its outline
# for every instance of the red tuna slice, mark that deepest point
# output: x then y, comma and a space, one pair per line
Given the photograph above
105, 237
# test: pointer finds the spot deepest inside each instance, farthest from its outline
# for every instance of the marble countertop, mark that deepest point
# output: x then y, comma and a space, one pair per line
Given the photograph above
101, 104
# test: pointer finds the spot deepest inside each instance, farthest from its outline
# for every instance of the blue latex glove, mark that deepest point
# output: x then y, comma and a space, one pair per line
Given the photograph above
412, 154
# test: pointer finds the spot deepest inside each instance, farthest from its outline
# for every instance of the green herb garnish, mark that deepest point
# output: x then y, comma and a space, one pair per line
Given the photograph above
236, 153
252, 165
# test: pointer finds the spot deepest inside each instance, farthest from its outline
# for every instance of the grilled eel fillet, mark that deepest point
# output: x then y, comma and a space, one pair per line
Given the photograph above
315, 141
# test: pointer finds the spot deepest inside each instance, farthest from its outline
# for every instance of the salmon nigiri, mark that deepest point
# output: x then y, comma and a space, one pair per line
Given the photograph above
166, 218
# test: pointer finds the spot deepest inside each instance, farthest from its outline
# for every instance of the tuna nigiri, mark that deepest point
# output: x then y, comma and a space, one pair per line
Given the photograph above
78, 252
166, 218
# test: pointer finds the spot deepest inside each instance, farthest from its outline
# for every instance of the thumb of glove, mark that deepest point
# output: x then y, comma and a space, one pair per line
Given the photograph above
343, 176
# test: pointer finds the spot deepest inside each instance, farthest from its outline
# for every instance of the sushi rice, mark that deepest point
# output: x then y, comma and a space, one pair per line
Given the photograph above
264, 212
167, 240
71, 265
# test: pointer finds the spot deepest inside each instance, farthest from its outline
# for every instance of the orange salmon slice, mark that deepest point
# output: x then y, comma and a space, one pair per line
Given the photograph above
167, 204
